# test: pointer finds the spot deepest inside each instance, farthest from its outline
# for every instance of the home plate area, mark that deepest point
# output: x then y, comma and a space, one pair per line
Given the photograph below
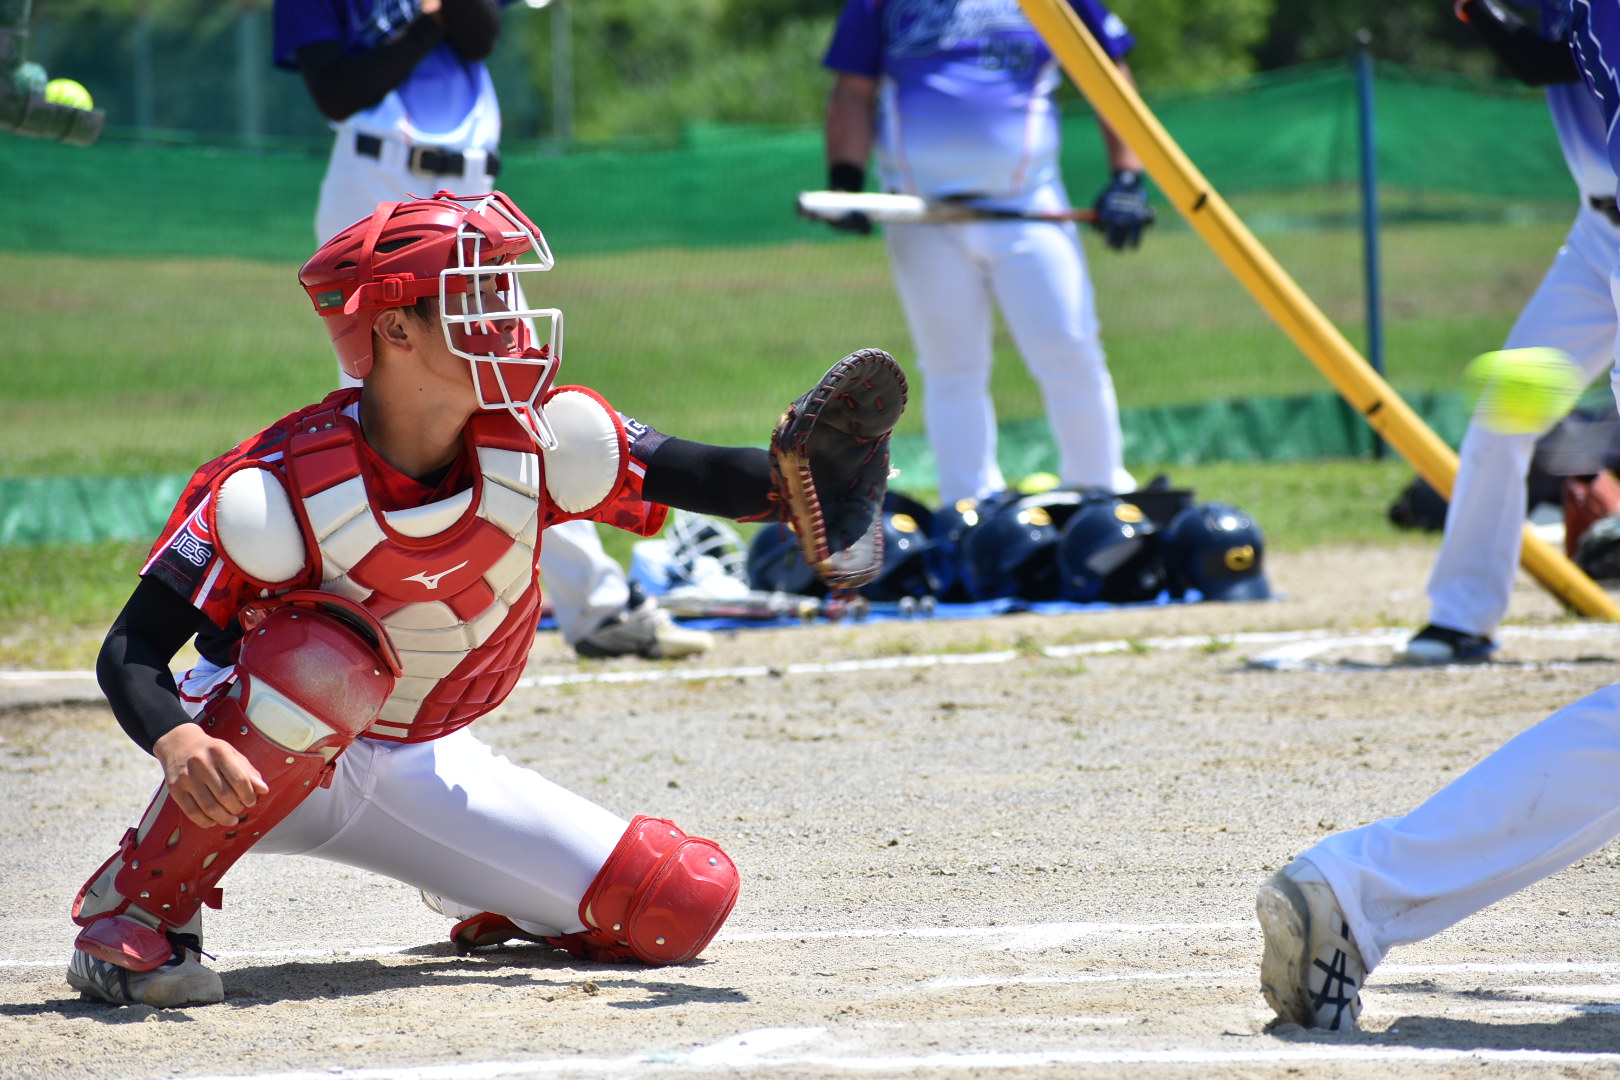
1527, 647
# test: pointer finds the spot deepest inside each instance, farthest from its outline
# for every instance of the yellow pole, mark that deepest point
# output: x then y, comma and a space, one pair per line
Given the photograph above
1187, 189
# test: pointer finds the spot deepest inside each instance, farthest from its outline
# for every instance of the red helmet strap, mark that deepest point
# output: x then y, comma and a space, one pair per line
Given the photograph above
368, 247
489, 227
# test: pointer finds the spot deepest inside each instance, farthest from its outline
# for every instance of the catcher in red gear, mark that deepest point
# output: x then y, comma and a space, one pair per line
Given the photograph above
360, 582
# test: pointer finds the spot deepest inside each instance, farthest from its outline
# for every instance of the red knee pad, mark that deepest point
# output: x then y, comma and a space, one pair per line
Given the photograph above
660, 897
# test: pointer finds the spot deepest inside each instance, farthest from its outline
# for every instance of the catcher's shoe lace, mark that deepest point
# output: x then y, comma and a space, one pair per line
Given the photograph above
181, 942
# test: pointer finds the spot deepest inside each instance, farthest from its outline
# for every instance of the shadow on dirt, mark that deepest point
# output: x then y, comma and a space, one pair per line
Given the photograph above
550, 975
1594, 1027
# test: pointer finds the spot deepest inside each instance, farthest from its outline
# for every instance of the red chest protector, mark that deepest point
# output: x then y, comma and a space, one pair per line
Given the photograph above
453, 581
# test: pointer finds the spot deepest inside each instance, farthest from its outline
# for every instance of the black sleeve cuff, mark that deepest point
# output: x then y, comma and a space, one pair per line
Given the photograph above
846, 177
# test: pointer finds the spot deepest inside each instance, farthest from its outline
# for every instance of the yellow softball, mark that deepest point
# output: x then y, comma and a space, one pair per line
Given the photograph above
69, 93
1523, 391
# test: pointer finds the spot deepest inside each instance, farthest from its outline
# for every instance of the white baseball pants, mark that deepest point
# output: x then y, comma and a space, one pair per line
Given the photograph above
947, 277
354, 183
457, 820
1572, 310
1542, 801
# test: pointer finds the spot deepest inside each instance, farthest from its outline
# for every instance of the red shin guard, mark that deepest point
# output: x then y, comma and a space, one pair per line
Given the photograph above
312, 674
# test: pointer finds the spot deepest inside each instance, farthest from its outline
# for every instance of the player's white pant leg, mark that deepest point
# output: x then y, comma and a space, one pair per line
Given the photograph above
1572, 310
1543, 800
585, 585
455, 819
947, 304
1472, 577
1038, 274
354, 185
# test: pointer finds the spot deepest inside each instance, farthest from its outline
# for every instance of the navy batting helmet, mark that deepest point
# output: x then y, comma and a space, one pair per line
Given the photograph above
1218, 550
944, 556
1012, 551
906, 546
775, 563
1109, 552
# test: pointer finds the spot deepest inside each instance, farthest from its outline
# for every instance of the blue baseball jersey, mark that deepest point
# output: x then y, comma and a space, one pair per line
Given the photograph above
964, 91
1577, 117
1594, 31
439, 93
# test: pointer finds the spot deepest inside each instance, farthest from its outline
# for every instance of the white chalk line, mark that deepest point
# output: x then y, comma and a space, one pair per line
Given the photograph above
1385, 971
786, 1048
1033, 936
1311, 641
1020, 936
773, 1049
1298, 654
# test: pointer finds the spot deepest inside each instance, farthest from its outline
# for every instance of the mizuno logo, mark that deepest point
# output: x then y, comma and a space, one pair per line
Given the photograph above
432, 580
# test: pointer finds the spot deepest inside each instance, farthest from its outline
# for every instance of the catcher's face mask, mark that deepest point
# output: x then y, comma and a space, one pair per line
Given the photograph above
471, 252
488, 321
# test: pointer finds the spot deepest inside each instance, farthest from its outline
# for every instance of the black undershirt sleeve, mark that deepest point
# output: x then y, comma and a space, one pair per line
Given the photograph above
472, 26
1531, 58
133, 666
343, 84
721, 481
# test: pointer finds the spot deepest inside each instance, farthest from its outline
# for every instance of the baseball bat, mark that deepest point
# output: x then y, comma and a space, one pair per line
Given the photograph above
1385, 411
771, 606
914, 210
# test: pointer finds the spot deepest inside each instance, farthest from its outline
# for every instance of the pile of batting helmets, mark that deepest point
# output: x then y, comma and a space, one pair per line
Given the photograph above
1079, 546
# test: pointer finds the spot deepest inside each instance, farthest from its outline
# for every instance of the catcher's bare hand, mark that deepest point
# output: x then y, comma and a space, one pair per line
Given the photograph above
830, 459
208, 778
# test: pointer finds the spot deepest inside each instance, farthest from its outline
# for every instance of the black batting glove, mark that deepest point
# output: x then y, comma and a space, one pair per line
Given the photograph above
1122, 210
847, 177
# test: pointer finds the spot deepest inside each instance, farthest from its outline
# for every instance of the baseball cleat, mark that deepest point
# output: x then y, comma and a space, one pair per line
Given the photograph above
1311, 972
486, 929
645, 629
180, 982
1443, 645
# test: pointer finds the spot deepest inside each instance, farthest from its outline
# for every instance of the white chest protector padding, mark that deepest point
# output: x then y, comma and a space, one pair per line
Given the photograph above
585, 467
255, 526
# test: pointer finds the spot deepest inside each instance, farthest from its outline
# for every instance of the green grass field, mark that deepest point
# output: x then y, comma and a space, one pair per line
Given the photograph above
131, 367
121, 366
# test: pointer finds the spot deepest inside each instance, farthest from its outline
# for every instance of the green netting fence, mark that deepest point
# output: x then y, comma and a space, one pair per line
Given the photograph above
1288, 139
89, 509
708, 219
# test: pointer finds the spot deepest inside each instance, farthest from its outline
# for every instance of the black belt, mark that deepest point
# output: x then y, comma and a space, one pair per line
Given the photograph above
433, 160
1605, 206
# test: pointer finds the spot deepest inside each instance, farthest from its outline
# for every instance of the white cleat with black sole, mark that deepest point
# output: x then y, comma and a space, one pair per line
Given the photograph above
180, 982
1311, 973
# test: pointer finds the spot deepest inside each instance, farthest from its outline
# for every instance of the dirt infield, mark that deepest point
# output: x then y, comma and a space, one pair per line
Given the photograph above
1015, 847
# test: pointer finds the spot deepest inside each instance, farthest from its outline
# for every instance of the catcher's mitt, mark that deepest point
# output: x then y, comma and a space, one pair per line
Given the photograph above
830, 456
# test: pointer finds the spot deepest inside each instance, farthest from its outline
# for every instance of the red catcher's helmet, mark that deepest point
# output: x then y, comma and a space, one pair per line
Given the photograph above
450, 247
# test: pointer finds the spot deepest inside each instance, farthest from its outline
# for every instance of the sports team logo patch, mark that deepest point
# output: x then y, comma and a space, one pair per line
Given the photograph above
191, 547
1240, 558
